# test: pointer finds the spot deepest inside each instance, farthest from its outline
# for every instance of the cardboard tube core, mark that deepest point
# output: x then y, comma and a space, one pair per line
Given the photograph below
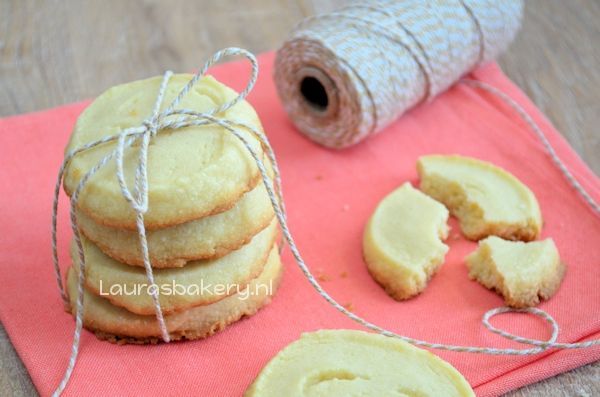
318, 92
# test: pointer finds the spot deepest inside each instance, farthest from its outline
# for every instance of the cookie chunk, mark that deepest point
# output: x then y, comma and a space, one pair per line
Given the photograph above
119, 325
192, 172
198, 283
486, 199
402, 243
523, 273
356, 363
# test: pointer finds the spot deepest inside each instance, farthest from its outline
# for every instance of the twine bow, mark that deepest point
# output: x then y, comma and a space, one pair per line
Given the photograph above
173, 118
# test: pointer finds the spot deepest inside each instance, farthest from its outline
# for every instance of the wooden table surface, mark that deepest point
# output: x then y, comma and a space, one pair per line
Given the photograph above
56, 52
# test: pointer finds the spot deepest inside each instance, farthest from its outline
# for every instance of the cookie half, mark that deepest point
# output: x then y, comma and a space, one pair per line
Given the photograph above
356, 363
198, 283
402, 242
486, 199
523, 273
118, 325
193, 172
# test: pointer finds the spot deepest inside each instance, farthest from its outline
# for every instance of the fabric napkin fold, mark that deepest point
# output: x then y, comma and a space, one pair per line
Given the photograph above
329, 196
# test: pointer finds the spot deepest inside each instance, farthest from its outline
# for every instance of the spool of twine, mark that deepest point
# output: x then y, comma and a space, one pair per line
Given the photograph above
347, 75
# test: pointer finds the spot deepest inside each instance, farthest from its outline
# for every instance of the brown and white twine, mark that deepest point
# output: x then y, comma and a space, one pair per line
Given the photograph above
346, 75
173, 119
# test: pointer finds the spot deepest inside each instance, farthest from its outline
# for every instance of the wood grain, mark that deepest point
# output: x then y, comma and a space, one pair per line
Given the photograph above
56, 52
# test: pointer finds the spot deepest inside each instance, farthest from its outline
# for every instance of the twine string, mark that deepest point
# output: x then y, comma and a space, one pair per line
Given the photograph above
541, 136
174, 119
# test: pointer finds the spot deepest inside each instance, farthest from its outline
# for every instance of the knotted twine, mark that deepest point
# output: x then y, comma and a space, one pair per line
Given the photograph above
173, 119
346, 75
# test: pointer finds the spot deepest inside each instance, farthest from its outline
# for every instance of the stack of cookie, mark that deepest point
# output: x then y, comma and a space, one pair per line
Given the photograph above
211, 229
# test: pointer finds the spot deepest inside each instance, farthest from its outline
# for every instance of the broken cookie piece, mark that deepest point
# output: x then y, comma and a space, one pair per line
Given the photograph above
523, 273
486, 199
402, 243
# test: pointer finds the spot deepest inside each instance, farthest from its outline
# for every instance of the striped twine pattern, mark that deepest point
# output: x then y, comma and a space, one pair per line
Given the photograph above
378, 59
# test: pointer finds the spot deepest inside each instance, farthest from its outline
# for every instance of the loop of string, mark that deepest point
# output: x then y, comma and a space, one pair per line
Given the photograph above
173, 119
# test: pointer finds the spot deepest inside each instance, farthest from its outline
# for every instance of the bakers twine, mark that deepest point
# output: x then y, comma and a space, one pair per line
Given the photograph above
173, 119
347, 75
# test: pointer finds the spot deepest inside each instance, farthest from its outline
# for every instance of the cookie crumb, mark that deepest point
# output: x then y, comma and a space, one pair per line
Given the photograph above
344, 274
319, 177
349, 306
323, 277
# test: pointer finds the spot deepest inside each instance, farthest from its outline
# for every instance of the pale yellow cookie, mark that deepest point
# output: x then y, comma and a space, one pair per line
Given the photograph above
208, 237
524, 273
192, 172
198, 283
402, 242
121, 326
339, 363
486, 199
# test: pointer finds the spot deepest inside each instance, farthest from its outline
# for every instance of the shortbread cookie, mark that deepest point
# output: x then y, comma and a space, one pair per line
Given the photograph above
486, 199
198, 283
402, 243
208, 237
121, 326
192, 172
356, 363
524, 273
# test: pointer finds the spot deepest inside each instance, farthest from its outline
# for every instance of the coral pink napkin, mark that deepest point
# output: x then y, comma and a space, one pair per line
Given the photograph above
329, 196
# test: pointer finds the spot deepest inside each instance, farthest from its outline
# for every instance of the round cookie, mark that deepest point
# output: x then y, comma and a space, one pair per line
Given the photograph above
198, 283
192, 172
118, 325
356, 363
208, 237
